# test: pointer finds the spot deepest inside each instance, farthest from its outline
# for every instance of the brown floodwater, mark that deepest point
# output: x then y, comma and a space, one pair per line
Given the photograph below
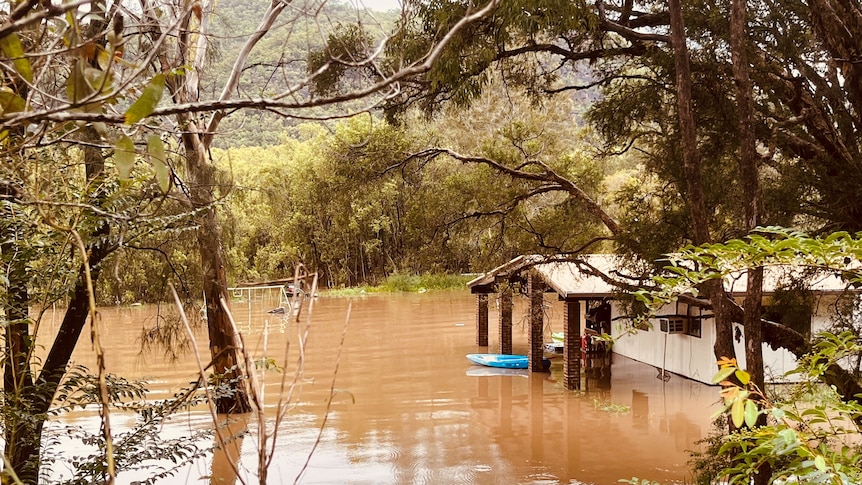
407, 406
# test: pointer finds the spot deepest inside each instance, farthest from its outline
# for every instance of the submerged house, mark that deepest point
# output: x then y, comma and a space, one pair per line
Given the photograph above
678, 340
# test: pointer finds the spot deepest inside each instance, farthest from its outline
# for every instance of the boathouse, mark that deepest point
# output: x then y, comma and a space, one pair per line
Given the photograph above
678, 340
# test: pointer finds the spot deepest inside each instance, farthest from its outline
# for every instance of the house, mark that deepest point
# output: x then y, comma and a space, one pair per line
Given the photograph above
680, 337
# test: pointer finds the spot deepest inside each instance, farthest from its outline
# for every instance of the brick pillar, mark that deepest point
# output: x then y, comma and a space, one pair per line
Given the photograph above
506, 320
482, 319
536, 288
572, 345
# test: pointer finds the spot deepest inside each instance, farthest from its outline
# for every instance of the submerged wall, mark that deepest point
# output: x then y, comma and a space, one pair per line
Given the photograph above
692, 356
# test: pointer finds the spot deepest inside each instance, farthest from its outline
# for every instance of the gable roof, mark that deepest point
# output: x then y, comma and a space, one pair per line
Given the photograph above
572, 279
565, 277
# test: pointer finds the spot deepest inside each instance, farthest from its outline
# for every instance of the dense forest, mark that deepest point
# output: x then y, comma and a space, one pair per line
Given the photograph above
329, 193
195, 145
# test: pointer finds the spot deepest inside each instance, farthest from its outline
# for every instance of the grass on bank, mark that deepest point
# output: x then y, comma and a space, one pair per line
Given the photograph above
403, 282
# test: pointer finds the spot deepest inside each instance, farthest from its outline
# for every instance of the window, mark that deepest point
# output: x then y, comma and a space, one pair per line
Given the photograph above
679, 324
676, 325
694, 327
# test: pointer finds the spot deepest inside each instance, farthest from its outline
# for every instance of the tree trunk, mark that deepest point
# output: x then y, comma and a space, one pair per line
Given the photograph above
223, 347
748, 170
694, 186
30, 400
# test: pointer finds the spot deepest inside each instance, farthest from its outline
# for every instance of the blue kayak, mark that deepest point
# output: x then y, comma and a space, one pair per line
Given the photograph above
500, 360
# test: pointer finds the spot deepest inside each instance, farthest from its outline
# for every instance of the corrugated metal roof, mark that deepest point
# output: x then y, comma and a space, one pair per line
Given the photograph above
569, 281
572, 279
774, 276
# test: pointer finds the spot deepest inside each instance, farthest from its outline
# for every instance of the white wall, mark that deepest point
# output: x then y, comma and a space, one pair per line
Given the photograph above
676, 352
694, 357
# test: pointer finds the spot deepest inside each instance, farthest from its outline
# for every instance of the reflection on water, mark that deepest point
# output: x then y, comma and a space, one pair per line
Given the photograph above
409, 408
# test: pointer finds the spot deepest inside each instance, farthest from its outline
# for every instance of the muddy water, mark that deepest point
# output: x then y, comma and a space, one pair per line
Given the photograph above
409, 408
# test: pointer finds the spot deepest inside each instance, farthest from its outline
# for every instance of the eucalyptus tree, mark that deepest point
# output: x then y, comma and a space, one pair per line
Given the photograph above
760, 129
340, 199
83, 91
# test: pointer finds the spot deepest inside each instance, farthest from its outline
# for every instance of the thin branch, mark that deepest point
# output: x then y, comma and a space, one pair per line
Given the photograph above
272, 12
570, 187
18, 20
203, 378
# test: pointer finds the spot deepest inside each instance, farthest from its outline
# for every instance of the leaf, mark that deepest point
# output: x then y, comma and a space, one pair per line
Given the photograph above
820, 463
744, 377
10, 102
124, 156
737, 412
13, 49
156, 149
751, 413
76, 85
148, 101
97, 79
103, 58
722, 374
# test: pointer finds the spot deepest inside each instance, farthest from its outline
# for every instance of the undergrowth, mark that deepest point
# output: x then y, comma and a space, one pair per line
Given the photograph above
405, 283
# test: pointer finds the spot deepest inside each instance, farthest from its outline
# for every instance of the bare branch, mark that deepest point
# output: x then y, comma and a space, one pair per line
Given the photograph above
272, 12
550, 175
18, 20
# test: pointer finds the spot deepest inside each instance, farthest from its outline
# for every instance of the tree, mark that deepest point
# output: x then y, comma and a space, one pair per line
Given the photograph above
77, 79
795, 118
805, 441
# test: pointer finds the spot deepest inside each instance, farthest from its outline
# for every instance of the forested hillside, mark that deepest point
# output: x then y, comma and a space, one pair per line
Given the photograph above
280, 59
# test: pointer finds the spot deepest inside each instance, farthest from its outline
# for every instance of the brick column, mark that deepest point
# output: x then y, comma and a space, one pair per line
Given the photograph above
536, 287
572, 345
506, 320
482, 319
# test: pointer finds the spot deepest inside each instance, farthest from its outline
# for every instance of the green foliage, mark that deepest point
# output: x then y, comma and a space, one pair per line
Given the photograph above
142, 448
804, 441
348, 204
80, 449
124, 156
634, 109
166, 333
400, 282
464, 68
12, 48
802, 435
156, 150
347, 46
330, 202
148, 100
405, 282
836, 253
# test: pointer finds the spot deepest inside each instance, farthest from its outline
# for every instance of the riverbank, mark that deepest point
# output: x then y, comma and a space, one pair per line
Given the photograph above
406, 283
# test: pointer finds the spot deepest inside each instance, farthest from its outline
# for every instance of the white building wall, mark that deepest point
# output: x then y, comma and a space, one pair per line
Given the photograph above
694, 357
679, 353
777, 363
